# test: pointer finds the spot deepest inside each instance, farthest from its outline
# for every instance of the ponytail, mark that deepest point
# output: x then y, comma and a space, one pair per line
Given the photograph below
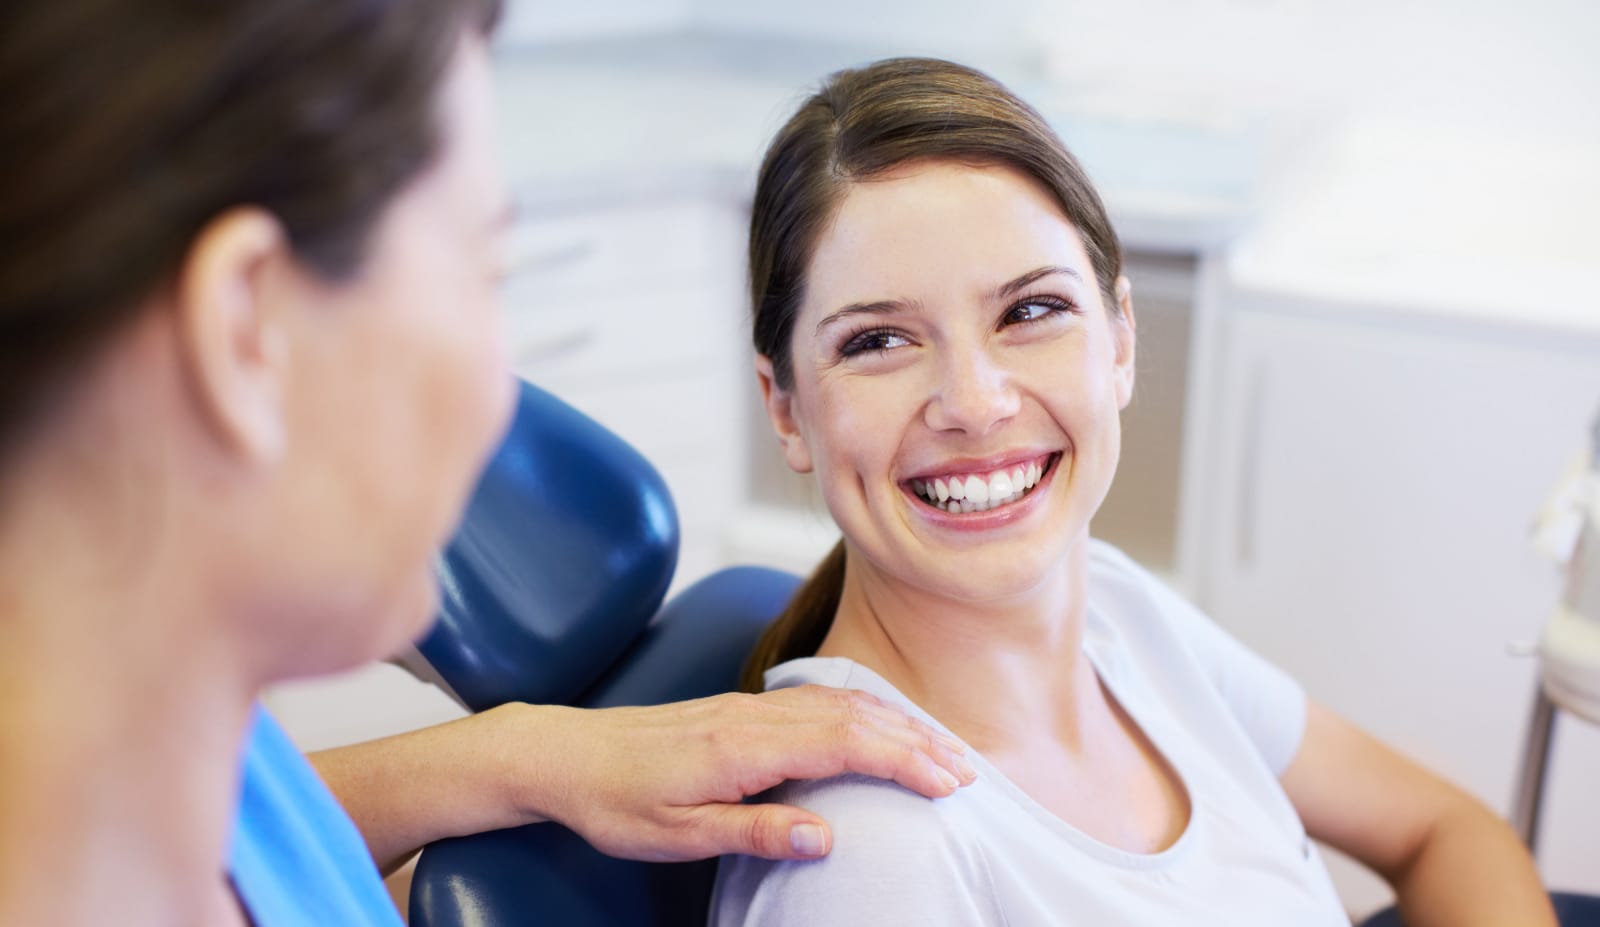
799, 631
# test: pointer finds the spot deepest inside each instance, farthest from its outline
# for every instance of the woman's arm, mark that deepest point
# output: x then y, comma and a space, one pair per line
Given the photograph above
662, 782
1450, 860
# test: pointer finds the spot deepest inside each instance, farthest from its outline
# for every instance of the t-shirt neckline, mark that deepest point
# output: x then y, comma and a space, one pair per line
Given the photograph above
1105, 670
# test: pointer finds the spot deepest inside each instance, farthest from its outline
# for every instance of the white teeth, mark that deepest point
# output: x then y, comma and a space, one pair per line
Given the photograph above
977, 494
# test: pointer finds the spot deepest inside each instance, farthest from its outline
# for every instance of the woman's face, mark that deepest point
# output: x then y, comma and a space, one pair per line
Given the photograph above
399, 390
957, 380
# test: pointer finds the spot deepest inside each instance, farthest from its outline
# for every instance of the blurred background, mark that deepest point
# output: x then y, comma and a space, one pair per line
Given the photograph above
1364, 239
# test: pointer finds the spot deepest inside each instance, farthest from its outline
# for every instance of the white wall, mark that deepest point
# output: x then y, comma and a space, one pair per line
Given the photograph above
895, 24
555, 20
1518, 64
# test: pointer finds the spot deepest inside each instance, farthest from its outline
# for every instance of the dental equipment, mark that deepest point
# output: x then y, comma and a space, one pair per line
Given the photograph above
1569, 649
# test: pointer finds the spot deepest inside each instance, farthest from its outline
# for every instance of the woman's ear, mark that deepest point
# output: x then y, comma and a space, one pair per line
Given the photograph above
1124, 332
779, 403
230, 339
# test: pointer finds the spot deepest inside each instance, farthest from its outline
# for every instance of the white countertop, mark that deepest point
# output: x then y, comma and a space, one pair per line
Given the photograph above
1439, 224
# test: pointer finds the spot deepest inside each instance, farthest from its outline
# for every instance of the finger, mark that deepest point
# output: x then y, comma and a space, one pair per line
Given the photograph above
884, 741
816, 751
767, 831
850, 721
933, 774
895, 716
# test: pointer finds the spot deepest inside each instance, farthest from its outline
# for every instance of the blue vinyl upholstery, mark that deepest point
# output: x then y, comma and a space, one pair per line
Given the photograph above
551, 590
564, 553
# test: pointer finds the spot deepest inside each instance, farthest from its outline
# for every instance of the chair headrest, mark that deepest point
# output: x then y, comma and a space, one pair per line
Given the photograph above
565, 552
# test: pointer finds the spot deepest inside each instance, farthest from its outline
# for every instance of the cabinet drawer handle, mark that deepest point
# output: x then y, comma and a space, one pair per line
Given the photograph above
560, 257
553, 346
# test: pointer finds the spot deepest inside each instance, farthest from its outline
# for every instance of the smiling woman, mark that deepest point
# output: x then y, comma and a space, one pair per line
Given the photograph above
945, 340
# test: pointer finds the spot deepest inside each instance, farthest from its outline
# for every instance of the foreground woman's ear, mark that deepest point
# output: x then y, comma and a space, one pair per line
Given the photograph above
230, 341
780, 411
1125, 329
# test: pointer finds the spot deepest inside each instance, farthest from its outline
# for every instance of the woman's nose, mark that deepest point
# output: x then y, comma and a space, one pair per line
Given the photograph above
974, 394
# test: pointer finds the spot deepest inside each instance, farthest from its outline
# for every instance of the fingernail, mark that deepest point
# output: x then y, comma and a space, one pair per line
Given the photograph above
806, 839
950, 781
955, 746
968, 771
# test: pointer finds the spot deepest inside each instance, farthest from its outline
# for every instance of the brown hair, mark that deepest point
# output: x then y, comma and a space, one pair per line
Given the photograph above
128, 126
863, 123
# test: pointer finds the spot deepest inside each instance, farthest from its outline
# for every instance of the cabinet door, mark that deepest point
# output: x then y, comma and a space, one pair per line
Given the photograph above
1376, 482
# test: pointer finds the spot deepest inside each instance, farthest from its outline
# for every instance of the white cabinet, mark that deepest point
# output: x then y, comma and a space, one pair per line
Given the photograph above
633, 313
1372, 482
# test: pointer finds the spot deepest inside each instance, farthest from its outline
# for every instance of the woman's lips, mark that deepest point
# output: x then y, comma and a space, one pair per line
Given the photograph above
967, 493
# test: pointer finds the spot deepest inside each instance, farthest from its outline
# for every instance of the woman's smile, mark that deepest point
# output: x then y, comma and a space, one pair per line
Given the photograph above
965, 489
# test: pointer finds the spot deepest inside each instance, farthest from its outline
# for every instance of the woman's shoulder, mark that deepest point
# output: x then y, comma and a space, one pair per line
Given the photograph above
896, 857
868, 814
1127, 598
1112, 570
871, 810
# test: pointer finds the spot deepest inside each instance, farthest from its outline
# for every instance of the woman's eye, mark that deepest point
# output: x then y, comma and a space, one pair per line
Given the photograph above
1032, 310
879, 339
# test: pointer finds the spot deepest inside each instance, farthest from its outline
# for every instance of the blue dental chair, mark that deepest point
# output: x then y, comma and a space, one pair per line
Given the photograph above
550, 595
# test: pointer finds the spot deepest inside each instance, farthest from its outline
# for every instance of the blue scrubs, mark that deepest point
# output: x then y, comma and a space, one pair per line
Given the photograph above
297, 859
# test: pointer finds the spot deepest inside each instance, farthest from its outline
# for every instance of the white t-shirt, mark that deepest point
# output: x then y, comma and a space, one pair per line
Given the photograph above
1227, 722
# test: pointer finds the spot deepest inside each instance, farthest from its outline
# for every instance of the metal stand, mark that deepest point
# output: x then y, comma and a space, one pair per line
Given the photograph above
1535, 763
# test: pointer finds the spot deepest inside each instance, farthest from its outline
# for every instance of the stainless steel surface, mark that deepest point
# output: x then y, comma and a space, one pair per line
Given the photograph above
1525, 806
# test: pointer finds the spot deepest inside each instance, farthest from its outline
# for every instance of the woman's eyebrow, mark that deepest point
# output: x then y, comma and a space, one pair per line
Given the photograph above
1003, 291
880, 307
1006, 290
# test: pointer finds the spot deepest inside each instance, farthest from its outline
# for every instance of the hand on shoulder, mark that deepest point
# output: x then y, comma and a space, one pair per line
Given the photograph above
668, 782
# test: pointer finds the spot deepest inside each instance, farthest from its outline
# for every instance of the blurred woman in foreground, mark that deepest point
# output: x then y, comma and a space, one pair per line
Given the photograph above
250, 367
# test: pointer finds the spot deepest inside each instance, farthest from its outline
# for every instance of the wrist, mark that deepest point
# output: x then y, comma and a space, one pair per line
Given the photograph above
522, 772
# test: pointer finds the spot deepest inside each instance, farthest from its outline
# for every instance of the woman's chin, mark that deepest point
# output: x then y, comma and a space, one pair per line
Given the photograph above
413, 617
382, 630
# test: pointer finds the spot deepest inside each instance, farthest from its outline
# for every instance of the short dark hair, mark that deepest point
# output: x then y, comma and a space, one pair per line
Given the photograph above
128, 125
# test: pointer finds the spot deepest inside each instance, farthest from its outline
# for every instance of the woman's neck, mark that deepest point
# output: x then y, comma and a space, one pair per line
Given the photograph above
994, 672
121, 717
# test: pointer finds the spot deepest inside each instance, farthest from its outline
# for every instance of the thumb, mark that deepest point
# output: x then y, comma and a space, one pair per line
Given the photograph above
768, 831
